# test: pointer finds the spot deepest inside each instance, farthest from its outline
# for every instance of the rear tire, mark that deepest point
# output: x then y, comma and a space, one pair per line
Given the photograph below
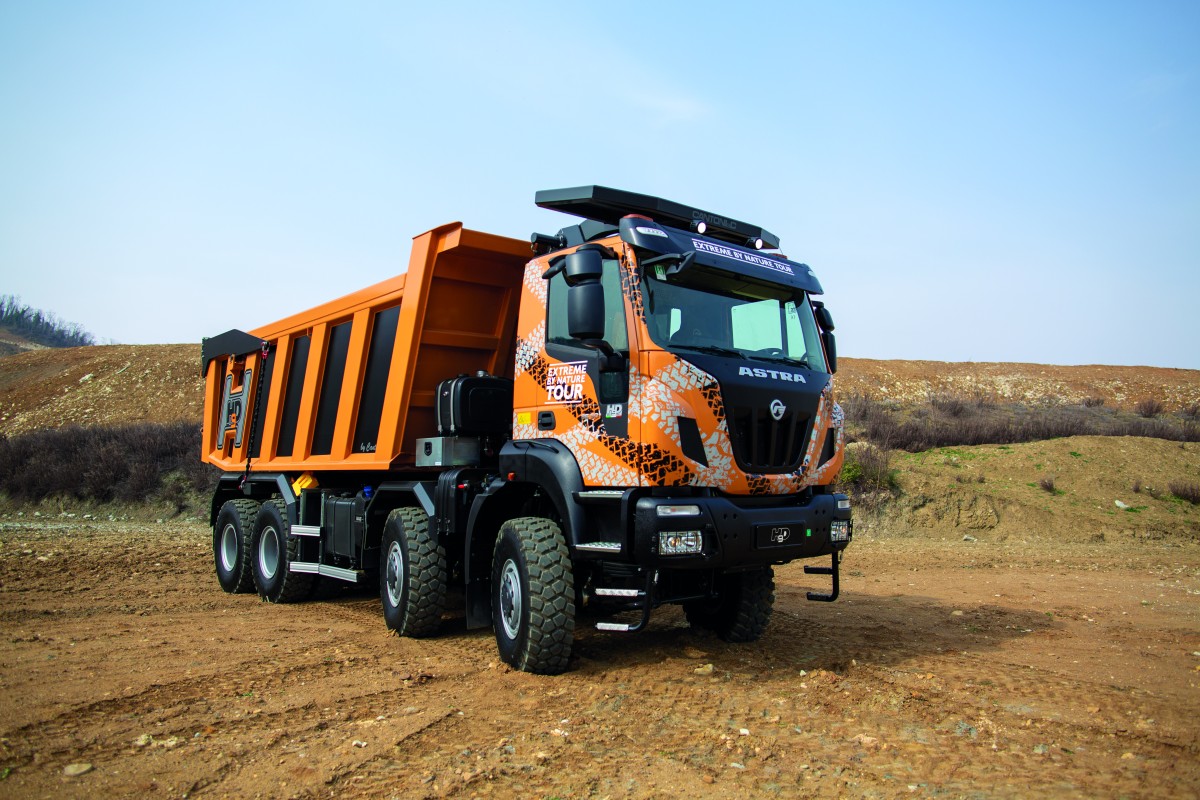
742, 608
274, 551
533, 596
412, 574
233, 553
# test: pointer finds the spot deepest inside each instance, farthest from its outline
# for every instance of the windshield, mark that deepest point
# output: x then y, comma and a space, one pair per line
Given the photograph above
738, 319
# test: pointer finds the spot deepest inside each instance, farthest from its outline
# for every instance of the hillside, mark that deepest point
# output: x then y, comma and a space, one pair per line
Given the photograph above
112, 384
989, 491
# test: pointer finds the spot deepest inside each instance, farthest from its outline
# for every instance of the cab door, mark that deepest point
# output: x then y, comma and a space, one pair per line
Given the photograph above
585, 402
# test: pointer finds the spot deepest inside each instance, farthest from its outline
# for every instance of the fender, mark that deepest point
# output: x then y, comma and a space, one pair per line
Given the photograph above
550, 466
257, 484
527, 467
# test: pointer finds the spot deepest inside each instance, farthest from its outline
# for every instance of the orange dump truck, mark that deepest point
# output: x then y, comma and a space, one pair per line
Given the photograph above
634, 411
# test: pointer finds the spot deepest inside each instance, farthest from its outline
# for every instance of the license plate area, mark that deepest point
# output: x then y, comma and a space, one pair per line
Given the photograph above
780, 535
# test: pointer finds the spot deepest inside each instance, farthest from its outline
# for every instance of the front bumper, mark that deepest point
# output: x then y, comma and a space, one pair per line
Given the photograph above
733, 534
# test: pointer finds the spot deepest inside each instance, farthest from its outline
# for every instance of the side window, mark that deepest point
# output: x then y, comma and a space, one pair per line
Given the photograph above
615, 330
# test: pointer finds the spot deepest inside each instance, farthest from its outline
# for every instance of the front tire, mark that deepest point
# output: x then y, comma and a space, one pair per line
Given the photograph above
533, 596
412, 575
233, 552
742, 608
274, 552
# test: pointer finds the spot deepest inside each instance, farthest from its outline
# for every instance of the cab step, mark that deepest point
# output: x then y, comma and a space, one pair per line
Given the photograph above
831, 570
637, 599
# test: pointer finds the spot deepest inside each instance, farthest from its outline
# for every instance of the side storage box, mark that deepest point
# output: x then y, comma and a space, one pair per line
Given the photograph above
474, 405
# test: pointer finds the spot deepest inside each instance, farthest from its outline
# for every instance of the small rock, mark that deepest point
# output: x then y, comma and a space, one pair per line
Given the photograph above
1042, 749
75, 770
969, 538
956, 613
1120, 505
358, 743
707, 669
744, 731
865, 741
692, 652
145, 740
1127, 756
737, 765
708, 779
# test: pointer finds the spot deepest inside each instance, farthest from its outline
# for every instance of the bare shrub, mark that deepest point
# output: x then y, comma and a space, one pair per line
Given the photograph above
949, 404
869, 469
1137, 486
105, 463
1047, 483
1186, 490
1093, 402
944, 421
1149, 408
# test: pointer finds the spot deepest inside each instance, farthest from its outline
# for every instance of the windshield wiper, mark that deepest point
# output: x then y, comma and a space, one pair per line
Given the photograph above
711, 349
795, 362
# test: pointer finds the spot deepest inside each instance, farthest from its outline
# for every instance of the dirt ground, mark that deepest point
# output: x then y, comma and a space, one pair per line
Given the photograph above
948, 668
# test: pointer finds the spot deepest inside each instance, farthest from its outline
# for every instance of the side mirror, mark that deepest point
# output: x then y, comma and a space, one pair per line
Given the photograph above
830, 349
824, 318
585, 295
582, 266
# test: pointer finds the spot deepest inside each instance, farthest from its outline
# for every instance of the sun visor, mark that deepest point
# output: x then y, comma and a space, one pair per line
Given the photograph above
757, 266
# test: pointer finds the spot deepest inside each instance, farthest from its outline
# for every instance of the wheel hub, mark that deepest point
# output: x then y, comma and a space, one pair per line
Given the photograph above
229, 547
394, 581
268, 552
510, 599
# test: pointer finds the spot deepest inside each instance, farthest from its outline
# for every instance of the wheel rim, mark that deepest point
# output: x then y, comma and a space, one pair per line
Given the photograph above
268, 552
229, 547
510, 598
394, 581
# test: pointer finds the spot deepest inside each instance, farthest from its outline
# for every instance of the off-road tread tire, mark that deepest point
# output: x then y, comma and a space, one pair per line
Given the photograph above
743, 610
294, 586
246, 511
544, 646
424, 600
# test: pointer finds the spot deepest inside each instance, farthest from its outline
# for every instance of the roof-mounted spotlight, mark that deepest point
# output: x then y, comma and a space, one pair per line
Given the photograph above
699, 226
544, 243
755, 242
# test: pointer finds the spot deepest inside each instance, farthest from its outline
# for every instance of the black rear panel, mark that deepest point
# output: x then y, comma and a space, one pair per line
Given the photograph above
331, 388
379, 363
297, 366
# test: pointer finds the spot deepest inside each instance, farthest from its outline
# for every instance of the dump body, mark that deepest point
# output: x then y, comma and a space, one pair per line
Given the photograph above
350, 384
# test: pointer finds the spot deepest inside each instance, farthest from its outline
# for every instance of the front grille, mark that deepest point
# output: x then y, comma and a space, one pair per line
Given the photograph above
764, 445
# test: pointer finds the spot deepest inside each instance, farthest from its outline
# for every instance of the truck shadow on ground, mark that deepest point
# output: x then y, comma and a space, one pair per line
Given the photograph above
862, 628
802, 635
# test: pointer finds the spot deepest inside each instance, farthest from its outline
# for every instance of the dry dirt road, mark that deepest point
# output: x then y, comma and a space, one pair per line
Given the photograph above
948, 669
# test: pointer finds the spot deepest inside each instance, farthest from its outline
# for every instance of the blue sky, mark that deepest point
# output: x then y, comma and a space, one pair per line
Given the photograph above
1008, 181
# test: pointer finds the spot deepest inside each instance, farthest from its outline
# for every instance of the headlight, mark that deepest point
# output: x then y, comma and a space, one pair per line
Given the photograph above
680, 543
839, 530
